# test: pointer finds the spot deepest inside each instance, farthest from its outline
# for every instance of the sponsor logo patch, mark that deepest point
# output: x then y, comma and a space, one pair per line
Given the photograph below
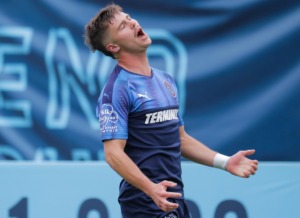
108, 115
161, 116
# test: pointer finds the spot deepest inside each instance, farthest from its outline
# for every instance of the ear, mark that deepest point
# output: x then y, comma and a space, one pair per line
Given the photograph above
112, 47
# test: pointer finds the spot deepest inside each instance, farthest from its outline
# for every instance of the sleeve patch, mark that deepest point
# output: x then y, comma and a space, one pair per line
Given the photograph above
108, 119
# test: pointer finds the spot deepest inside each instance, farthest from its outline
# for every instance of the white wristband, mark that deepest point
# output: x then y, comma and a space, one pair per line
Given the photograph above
220, 161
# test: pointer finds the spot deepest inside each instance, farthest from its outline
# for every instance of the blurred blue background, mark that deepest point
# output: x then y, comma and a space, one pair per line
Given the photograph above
236, 64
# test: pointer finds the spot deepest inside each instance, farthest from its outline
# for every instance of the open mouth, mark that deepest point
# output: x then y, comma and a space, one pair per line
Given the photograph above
140, 33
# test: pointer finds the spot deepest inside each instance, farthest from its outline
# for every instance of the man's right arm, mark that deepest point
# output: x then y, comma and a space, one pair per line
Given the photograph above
126, 168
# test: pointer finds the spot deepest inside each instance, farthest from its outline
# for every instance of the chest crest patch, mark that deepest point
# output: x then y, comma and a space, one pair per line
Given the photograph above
170, 88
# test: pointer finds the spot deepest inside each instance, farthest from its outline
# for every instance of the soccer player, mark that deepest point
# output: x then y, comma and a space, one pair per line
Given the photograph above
141, 129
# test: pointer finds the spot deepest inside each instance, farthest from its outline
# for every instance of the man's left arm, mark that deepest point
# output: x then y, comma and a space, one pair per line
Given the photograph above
238, 164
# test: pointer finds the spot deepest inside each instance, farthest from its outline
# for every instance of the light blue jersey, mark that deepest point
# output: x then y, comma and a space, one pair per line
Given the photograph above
144, 111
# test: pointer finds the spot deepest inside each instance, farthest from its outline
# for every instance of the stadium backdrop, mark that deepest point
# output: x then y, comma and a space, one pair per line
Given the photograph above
236, 64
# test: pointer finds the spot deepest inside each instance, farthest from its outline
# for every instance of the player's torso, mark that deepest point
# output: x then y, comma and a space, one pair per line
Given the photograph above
153, 140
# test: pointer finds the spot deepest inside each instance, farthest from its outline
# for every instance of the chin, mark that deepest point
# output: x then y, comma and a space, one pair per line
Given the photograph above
149, 41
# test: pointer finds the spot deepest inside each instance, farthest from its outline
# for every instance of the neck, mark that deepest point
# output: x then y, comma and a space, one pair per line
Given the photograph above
135, 63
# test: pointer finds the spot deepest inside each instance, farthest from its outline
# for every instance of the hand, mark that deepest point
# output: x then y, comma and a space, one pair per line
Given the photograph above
240, 165
160, 195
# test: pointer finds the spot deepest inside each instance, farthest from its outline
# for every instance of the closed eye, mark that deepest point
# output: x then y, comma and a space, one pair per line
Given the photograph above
124, 22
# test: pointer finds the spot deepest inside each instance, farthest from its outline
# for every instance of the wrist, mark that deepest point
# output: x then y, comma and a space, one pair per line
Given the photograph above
220, 161
148, 189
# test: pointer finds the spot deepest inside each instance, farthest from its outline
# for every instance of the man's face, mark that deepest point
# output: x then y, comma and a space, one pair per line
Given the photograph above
127, 34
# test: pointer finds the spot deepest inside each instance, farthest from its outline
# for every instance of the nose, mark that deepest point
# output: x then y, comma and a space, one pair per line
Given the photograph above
133, 23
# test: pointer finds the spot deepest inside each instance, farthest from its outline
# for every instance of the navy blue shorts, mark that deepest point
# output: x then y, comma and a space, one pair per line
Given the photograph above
144, 207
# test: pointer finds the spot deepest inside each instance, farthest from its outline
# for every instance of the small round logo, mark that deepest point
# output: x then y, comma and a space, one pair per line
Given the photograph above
170, 89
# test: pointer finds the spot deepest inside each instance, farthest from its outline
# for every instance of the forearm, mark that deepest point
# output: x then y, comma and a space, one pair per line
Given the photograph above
127, 169
196, 151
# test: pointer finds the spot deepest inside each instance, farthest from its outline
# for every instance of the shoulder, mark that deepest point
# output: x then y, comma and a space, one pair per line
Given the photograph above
158, 71
116, 81
161, 73
117, 76
115, 85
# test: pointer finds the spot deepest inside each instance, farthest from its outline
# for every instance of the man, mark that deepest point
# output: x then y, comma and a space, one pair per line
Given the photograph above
141, 129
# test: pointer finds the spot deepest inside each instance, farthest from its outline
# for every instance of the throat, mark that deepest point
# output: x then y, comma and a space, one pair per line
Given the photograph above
135, 63
141, 70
